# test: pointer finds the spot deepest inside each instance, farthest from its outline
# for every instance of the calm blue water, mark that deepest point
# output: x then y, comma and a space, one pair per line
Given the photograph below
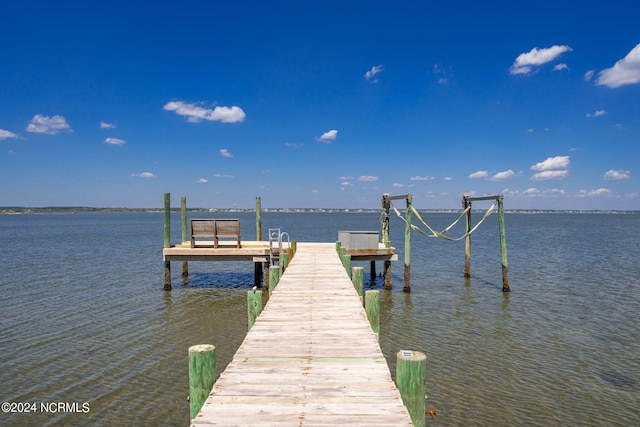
84, 318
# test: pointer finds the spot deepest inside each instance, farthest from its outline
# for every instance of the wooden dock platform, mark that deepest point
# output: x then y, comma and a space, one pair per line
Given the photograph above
311, 358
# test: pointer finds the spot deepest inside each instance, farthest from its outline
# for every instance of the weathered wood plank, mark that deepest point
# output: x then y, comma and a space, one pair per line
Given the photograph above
311, 357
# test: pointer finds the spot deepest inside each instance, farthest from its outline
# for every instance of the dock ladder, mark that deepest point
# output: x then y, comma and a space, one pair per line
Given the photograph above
276, 236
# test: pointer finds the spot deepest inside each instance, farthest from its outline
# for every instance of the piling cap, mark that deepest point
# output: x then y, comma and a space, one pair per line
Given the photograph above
201, 348
411, 355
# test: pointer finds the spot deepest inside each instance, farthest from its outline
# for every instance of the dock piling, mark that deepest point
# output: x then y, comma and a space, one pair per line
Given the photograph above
372, 308
274, 276
258, 219
167, 239
357, 277
499, 200
467, 241
503, 247
411, 369
202, 375
254, 306
185, 235
407, 247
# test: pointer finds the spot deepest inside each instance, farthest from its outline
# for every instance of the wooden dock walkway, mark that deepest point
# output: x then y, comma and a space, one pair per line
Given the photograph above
311, 358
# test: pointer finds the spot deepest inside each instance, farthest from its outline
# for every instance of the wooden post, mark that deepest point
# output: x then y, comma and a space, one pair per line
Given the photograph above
411, 369
347, 263
294, 248
185, 235
254, 306
407, 247
257, 274
467, 241
274, 277
202, 375
258, 219
372, 307
373, 270
503, 247
284, 261
167, 239
357, 277
388, 280
386, 205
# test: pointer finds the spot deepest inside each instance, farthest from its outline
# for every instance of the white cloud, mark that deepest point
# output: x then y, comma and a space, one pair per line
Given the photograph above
367, 178
347, 177
195, 113
5, 134
49, 125
292, 145
347, 184
447, 178
503, 176
595, 193
598, 113
624, 72
614, 175
421, 178
550, 174
369, 75
328, 137
105, 125
144, 175
560, 67
558, 162
446, 75
223, 175
115, 141
225, 153
202, 181
525, 62
589, 75
397, 185
479, 175
555, 192
315, 190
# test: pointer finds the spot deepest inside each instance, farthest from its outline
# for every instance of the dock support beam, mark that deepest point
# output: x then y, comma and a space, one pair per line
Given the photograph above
167, 239
411, 369
202, 375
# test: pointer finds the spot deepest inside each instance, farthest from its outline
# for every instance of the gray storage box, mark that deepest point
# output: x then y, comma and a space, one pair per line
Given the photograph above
359, 239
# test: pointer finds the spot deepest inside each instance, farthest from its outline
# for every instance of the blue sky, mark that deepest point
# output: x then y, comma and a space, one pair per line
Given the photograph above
320, 104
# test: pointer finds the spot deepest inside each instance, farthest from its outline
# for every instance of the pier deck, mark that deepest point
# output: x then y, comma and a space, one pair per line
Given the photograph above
311, 358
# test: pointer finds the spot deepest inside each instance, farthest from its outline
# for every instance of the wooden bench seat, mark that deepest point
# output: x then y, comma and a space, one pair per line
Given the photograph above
215, 229
227, 229
202, 228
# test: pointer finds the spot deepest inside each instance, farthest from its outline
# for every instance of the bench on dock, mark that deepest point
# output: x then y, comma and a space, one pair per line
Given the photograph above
227, 229
215, 229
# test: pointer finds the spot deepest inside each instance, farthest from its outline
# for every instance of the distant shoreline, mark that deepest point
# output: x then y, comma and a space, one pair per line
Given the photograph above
78, 209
